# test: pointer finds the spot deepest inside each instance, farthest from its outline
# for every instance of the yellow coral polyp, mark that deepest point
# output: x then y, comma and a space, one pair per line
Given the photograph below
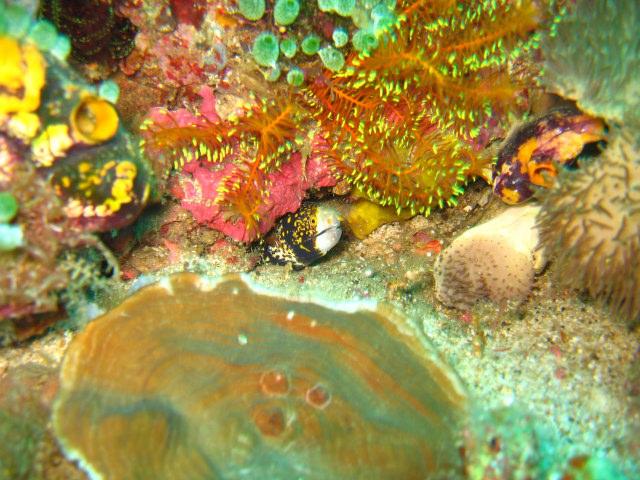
22, 76
94, 120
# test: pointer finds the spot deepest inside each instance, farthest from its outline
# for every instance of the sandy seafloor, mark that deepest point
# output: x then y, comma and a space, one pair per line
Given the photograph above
558, 356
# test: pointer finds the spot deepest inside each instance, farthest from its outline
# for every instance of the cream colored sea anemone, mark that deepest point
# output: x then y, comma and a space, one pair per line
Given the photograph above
590, 221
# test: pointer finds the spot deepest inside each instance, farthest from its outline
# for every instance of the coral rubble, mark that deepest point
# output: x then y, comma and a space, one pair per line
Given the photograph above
196, 377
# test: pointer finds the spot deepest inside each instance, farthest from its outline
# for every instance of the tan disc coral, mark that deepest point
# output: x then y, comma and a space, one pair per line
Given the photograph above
194, 378
590, 222
495, 260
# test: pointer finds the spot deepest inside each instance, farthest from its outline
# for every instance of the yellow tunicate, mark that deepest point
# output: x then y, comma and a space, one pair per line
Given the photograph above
22, 76
51, 144
365, 216
23, 125
94, 120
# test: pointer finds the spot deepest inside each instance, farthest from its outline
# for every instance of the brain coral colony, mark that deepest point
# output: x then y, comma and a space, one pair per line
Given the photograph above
590, 220
67, 168
395, 100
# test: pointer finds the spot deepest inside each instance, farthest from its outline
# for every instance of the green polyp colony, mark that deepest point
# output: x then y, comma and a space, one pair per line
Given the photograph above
332, 58
363, 22
364, 41
285, 12
11, 236
273, 73
311, 44
266, 50
251, 9
17, 22
289, 47
8, 207
109, 90
340, 37
295, 77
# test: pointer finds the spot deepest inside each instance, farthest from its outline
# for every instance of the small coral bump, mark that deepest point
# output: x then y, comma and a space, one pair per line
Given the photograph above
251, 9
109, 90
289, 47
265, 49
331, 58
43, 33
364, 41
285, 12
273, 73
311, 44
344, 8
11, 237
8, 207
15, 21
295, 77
340, 37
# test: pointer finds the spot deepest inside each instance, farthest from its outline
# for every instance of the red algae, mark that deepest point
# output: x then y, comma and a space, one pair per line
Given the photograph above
202, 378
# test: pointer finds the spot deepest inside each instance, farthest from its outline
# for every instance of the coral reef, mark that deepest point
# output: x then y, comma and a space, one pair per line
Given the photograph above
603, 80
402, 125
249, 178
496, 259
591, 223
67, 162
233, 381
533, 152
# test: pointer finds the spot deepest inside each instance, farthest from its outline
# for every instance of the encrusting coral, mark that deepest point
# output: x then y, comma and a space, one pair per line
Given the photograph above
196, 377
495, 260
591, 222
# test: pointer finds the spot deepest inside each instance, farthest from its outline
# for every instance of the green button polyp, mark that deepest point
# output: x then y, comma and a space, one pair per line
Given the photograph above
251, 9
332, 58
289, 47
295, 77
8, 207
265, 49
340, 37
311, 44
285, 12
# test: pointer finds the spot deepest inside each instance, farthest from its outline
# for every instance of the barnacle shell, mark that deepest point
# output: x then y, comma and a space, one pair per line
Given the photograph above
496, 260
195, 378
591, 223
